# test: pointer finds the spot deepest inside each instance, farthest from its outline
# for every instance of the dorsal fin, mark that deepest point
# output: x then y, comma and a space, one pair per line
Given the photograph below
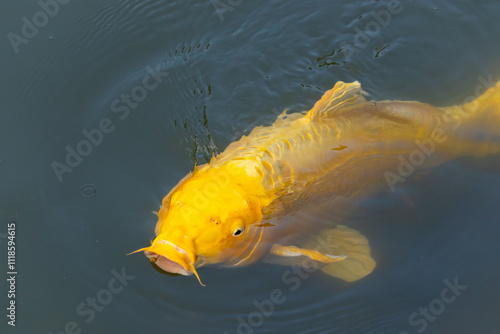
285, 118
341, 98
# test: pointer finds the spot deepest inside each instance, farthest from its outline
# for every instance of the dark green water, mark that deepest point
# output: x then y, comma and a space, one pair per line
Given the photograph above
216, 76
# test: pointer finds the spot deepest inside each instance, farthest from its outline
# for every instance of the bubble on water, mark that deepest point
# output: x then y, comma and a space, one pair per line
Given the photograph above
88, 190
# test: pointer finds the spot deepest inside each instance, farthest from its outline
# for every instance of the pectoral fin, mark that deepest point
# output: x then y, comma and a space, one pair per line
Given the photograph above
343, 240
340, 252
312, 254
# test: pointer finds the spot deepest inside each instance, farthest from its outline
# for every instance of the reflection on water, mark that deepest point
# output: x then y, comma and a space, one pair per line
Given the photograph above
225, 78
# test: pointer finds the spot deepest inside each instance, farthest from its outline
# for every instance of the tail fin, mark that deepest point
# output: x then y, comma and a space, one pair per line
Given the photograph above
480, 114
489, 101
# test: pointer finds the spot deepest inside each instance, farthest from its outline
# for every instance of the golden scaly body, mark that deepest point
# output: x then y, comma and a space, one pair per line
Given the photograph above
353, 145
229, 212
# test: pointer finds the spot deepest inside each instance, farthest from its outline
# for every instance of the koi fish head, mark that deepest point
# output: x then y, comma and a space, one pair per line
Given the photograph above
208, 218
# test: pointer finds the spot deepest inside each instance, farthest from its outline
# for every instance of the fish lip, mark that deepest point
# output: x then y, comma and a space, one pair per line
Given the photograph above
165, 264
183, 266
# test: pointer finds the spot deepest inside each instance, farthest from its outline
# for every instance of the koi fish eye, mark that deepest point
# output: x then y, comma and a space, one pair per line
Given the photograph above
237, 231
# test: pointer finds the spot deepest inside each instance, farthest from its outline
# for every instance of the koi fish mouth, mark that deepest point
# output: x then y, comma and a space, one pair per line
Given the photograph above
166, 264
170, 258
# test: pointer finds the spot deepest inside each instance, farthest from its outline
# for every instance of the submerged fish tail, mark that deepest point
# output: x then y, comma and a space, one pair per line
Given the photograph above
477, 122
482, 112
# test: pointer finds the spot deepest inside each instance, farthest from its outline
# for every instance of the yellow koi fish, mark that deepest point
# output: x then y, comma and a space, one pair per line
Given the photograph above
240, 207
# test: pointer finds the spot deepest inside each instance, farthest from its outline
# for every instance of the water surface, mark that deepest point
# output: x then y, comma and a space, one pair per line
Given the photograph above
219, 76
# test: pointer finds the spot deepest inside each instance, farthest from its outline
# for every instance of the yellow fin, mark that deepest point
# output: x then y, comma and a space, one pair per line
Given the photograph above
482, 113
341, 98
284, 119
312, 254
488, 102
343, 240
